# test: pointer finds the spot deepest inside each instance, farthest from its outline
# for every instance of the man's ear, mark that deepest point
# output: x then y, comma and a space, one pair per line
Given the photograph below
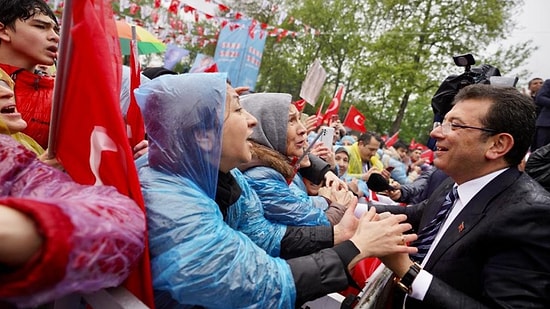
4, 36
501, 145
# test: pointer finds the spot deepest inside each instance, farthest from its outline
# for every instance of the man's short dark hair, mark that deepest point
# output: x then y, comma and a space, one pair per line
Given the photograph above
532, 80
12, 10
154, 72
400, 144
511, 112
366, 137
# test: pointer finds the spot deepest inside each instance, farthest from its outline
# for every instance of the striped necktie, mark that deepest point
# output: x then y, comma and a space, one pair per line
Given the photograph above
428, 233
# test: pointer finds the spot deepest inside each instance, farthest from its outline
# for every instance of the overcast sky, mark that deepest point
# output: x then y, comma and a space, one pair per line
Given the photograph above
534, 23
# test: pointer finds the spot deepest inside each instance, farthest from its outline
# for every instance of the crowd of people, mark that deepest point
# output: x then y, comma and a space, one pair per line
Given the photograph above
245, 209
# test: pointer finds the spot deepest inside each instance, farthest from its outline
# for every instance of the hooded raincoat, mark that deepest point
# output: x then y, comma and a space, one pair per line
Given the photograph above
204, 253
269, 174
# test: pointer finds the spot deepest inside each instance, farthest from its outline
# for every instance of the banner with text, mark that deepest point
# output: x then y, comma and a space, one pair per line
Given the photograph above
239, 52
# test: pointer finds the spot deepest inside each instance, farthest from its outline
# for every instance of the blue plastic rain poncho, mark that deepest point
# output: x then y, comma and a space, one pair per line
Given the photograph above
299, 188
197, 258
281, 203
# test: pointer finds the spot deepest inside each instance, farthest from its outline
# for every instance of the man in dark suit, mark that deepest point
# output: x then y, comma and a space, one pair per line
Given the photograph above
492, 247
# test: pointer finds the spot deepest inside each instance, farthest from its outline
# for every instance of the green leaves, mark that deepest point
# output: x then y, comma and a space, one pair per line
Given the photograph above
392, 55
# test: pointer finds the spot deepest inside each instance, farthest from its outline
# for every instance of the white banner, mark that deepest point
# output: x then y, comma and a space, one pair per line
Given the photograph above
312, 85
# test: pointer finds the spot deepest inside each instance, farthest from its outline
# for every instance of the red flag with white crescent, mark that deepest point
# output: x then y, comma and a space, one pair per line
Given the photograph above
428, 155
91, 141
412, 145
134, 120
355, 120
335, 104
319, 116
300, 104
392, 139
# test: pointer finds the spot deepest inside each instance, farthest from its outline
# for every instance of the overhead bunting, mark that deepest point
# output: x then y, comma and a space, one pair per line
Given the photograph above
175, 21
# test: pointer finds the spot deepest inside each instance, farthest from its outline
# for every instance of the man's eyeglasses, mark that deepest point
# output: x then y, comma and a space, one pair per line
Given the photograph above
447, 127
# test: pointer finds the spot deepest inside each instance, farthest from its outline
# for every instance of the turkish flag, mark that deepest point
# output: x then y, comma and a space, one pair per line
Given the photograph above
412, 145
428, 155
300, 104
319, 116
212, 69
174, 6
392, 139
87, 126
355, 120
335, 104
134, 119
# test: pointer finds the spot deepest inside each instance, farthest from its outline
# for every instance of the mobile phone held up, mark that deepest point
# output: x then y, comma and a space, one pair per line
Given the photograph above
327, 135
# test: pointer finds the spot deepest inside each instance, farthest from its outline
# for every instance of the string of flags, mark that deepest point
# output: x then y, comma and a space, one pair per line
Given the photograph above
177, 21
180, 31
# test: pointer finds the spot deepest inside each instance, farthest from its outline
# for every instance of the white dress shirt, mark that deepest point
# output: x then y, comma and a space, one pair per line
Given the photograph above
466, 192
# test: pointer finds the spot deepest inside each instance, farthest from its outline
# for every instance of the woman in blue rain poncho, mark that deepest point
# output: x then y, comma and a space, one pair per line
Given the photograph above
280, 138
210, 243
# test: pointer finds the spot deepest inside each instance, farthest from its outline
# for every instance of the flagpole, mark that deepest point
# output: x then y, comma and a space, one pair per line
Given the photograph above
63, 58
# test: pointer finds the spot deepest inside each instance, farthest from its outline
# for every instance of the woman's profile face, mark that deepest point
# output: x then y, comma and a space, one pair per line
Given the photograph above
237, 128
296, 133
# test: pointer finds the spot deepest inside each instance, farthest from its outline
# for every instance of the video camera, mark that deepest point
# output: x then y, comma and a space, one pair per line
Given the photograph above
445, 94
441, 101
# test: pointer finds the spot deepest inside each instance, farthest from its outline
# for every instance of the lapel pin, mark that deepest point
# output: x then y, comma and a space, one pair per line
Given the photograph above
461, 227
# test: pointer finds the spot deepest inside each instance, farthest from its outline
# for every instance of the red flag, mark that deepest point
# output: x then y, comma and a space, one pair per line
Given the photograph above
91, 141
204, 64
174, 6
428, 155
412, 145
355, 120
300, 104
334, 105
134, 119
212, 69
319, 116
392, 139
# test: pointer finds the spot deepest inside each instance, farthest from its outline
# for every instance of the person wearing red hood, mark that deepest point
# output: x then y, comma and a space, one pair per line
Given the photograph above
29, 36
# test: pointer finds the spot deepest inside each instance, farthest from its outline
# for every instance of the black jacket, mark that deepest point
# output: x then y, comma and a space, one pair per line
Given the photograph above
422, 187
318, 267
496, 253
538, 166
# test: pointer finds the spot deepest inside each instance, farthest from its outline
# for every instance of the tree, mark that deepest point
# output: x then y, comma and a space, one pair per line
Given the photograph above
390, 54
419, 37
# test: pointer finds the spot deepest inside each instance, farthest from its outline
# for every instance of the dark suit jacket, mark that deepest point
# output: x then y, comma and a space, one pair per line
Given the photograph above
543, 100
496, 253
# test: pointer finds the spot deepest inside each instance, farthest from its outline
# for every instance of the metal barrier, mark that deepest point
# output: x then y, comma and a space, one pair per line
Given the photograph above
111, 298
